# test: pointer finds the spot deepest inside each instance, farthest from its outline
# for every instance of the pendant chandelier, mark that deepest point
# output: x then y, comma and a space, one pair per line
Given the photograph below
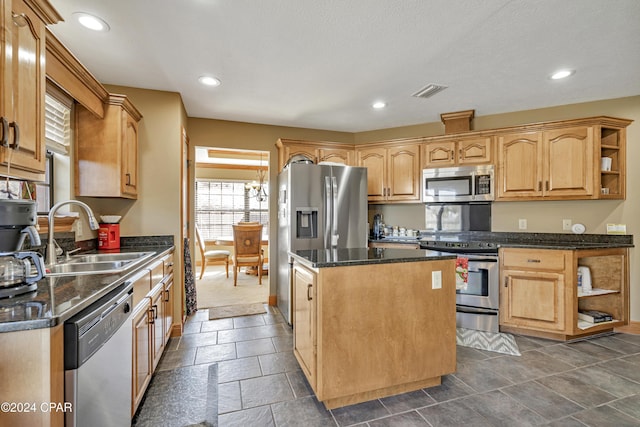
257, 188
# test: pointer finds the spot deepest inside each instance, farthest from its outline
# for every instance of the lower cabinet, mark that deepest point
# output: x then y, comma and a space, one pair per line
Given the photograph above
539, 295
304, 319
152, 323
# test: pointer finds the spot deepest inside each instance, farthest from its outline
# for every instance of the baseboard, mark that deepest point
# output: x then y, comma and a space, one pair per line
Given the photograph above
631, 328
273, 300
176, 330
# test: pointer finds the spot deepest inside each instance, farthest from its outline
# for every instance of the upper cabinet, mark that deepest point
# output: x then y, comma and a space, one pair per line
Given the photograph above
457, 151
393, 171
22, 65
106, 150
559, 161
317, 151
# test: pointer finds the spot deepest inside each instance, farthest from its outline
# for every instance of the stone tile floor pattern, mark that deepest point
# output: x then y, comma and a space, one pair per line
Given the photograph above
594, 382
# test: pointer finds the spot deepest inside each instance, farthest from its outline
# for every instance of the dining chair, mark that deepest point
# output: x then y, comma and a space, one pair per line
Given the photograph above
209, 257
247, 250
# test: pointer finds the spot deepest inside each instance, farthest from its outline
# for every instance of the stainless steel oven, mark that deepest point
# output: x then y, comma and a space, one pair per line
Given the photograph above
477, 301
477, 298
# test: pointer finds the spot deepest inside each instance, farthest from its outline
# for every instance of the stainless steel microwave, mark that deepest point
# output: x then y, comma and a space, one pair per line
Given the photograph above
460, 184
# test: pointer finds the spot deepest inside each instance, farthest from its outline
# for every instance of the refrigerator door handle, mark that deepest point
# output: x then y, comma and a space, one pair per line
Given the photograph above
327, 232
334, 209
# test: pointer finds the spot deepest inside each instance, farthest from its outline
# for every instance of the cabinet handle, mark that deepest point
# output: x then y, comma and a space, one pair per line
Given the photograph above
539, 185
128, 180
506, 282
460, 154
534, 260
166, 295
150, 316
155, 311
5, 132
16, 135
309, 286
546, 185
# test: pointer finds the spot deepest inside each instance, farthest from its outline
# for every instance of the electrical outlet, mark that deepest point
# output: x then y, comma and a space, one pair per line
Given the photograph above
566, 224
79, 226
522, 224
436, 279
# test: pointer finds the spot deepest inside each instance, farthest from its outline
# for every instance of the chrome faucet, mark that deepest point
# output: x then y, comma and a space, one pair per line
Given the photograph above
93, 223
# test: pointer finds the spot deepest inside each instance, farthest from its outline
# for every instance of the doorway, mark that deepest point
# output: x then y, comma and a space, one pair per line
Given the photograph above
231, 186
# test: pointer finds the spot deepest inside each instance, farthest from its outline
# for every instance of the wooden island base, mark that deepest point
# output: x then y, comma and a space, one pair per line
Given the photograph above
362, 332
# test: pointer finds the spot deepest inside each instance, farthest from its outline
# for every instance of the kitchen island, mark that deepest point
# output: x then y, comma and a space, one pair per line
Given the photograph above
373, 322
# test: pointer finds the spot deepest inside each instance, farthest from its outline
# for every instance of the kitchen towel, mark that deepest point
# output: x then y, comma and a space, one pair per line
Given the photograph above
462, 273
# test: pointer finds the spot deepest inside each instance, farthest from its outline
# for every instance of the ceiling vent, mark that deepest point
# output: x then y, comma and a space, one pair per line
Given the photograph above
429, 90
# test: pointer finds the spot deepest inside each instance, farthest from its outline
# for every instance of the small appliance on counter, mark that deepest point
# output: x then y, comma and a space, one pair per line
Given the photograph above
109, 232
16, 272
584, 278
18, 218
378, 227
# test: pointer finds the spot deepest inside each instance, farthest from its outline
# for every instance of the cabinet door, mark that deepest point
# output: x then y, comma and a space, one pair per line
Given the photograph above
439, 154
304, 321
568, 163
336, 155
519, 165
474, 151
403, 173
141, 353
129, 155
157, 323
291, 150
375, 160
23, 88
168, 308
533, 300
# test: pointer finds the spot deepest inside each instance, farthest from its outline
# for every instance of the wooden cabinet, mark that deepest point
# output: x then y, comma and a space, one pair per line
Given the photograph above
317, 151
152, 322
457, 151
612, 182
106, 150
168, 299
404, 334
304, 319
22, 76
141, 324
532, 294
141, 353
393, 172
556, 163
539, 294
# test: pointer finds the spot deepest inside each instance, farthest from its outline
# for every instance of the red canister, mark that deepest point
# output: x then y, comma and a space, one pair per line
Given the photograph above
109, 236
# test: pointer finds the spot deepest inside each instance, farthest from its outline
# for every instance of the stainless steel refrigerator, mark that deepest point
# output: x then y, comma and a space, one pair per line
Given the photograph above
319, 207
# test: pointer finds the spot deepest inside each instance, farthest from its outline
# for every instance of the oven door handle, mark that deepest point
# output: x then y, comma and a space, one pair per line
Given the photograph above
474, 310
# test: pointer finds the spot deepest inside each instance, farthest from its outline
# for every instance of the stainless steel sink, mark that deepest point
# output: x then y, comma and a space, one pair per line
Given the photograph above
123, 256
98, 264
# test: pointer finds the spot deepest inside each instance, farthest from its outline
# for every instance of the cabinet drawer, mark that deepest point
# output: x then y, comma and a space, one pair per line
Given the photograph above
168, 264
141, 286
157, 272
533, 259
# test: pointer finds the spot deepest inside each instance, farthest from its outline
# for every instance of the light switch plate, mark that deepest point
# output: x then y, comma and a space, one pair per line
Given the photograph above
566, 224
436, 279
522, 224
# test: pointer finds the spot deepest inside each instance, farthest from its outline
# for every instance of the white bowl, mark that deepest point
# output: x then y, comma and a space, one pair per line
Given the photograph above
110, 219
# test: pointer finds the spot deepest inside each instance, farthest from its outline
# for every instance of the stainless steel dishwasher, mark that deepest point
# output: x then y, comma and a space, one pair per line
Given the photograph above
97, 362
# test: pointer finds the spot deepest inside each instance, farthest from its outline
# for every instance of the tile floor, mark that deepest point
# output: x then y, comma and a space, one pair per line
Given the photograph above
594, 382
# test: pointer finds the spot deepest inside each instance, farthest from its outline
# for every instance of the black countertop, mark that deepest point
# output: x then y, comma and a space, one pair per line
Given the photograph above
321, 258
58, 298
560, 241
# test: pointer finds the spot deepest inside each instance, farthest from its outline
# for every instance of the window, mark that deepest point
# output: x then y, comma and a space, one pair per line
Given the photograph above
220, 204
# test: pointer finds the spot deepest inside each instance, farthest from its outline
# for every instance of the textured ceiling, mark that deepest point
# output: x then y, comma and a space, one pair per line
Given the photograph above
321, 64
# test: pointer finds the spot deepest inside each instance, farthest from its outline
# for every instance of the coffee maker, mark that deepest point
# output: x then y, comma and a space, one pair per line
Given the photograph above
19, 270
18, 218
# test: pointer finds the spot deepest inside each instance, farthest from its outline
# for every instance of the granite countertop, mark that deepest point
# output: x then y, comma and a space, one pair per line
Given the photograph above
57, 298
321, 258
524, 240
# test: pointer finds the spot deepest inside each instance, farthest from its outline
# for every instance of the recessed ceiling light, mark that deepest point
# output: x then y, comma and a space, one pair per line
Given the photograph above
209, 81
91, 22
561, 74
378, 105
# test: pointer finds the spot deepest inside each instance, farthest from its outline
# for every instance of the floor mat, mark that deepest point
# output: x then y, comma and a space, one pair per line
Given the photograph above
236, 310
500, 342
